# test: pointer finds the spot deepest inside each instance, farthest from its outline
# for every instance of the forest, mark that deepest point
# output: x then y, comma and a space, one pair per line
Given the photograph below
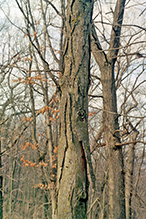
72, 109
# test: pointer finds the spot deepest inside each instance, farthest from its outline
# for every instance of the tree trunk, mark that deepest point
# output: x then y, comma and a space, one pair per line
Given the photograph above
112, 138
73, 150
1, 175
106, 62
1, 186
129, 181
129, 171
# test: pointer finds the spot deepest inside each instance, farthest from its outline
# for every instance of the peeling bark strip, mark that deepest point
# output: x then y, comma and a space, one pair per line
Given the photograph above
73, 152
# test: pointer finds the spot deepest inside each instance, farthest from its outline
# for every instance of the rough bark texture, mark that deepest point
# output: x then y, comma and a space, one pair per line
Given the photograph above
73, 153
106, 62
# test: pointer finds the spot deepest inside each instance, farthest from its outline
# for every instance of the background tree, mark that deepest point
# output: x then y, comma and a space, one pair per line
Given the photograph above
106, 64
110, 53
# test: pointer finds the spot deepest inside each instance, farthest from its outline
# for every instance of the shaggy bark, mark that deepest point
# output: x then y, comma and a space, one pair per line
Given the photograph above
73, 153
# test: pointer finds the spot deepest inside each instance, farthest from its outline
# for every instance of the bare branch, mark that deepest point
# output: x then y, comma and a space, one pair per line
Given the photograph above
53, 6
116, 30
96, 48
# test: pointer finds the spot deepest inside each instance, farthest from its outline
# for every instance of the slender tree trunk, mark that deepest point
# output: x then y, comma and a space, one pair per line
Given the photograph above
73, 150
129, 171
1, 185
115, 158
49, 145
106, 62
129, 181
1, 176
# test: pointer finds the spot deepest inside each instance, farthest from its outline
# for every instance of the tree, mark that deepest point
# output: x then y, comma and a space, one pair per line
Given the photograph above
73, 151
106, 64
1, 176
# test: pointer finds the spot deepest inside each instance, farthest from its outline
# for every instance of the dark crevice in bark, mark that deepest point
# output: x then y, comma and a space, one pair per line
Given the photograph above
65, 51
70, 72
70, 114
84, 166
71, 202
73, 29
65, 150
71, 7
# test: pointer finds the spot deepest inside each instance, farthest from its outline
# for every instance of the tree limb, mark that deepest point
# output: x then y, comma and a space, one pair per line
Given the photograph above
116, 30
